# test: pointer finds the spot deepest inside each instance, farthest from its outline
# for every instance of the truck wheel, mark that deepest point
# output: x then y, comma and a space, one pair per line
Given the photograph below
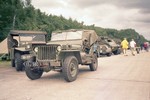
70, 68
108, 54
33, 73
12, 62
94, 64
116, 52
18, 62
98, 54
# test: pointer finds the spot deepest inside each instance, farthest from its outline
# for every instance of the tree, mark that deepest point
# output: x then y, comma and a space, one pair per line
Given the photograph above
21, 15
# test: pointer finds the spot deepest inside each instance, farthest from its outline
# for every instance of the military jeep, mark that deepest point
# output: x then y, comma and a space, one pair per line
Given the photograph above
18, 44
66, 50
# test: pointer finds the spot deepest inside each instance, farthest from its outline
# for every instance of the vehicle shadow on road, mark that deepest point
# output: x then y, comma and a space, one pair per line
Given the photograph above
52, 76
58, 76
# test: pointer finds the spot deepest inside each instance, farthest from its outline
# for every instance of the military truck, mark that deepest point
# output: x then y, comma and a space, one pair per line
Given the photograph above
18, 44
104, 48
116, 48
66, 50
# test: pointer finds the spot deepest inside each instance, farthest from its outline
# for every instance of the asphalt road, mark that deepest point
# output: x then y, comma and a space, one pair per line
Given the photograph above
117, 78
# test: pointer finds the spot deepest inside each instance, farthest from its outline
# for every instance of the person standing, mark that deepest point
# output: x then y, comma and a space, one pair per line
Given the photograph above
124, 45
132, 47
146, 46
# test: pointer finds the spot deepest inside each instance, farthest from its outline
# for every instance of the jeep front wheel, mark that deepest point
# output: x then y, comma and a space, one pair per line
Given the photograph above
94, 64
33, 73
70, 68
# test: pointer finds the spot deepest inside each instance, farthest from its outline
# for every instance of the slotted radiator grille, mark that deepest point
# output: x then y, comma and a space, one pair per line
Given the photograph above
47, 52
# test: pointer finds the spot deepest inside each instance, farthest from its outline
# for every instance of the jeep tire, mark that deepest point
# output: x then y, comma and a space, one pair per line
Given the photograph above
94, 64
18, 62
70, 68
12, 62
33, 73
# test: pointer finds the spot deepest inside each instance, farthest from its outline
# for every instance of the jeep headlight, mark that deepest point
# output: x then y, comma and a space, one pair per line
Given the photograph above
59, 48
28, 46
36, 49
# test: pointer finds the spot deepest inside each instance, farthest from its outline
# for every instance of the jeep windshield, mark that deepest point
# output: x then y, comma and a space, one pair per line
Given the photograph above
66, 36
32, 38
25, 39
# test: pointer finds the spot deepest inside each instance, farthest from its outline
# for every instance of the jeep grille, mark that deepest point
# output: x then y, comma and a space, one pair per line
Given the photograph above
47, 52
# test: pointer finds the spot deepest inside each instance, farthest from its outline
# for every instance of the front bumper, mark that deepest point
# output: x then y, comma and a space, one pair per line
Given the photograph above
53, 63
26, 56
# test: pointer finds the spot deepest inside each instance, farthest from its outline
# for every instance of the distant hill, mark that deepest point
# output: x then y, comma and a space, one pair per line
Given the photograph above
20, 14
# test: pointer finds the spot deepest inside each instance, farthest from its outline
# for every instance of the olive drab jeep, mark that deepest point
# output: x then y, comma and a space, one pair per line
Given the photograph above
66, 50
18, 44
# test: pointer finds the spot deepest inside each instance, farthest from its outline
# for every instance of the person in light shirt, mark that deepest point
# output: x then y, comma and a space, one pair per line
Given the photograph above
132, 47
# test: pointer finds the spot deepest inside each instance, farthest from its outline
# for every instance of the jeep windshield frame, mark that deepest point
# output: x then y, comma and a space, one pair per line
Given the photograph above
32, 38
63, 36
25, 39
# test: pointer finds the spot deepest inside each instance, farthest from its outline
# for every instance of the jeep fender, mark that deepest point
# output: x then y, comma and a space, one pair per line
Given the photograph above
13, 51
64, 54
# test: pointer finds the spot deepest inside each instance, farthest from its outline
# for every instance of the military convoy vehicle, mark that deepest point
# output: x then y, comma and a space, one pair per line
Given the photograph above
105, 50
116, 48
108, 46
18, 45
66, 50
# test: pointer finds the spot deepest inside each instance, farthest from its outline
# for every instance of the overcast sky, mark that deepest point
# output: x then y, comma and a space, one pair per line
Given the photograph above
118, 14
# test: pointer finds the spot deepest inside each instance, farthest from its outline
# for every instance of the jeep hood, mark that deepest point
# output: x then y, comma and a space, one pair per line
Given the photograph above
21, 49
70, 42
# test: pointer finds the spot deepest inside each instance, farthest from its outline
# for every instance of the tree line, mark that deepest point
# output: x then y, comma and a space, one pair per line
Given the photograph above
21, 15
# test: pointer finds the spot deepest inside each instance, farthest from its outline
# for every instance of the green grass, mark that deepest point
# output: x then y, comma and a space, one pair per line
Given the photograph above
4, 63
